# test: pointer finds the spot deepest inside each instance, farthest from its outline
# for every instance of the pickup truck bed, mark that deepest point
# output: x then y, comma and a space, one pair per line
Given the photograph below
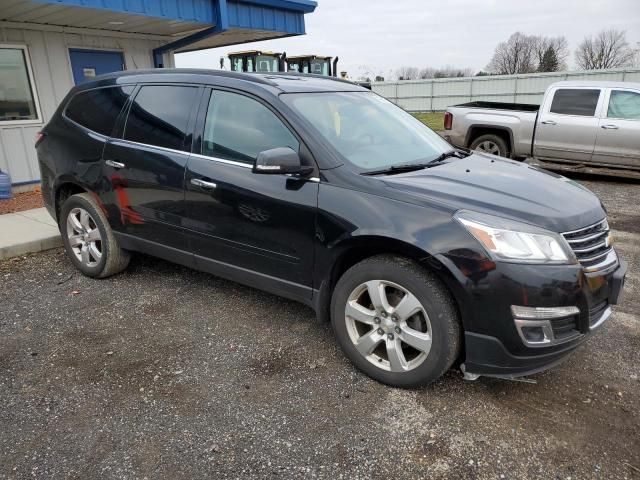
525, 107
513, 123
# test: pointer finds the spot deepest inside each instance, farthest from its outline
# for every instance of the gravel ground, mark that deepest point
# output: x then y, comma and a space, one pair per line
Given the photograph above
164, 372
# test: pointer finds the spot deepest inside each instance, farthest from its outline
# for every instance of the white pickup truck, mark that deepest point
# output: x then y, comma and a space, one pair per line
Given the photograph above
591, 123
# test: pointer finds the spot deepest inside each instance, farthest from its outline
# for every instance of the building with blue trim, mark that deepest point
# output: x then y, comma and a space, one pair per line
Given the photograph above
47, 46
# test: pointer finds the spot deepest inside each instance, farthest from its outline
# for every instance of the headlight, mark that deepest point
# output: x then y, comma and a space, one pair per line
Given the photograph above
512, 241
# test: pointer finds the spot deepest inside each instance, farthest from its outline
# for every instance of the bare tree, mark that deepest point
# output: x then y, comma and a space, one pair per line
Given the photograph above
428, 72
516, 55
407, 73
556, 47
445, 72
608, 49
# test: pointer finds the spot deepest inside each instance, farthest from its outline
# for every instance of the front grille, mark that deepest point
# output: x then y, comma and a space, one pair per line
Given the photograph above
565, 328
596, 312
590, 244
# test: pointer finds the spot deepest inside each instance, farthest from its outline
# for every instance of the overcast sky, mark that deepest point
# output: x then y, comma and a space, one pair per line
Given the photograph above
376, 37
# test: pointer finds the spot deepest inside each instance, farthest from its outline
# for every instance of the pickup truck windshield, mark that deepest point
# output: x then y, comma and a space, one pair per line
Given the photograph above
370, 132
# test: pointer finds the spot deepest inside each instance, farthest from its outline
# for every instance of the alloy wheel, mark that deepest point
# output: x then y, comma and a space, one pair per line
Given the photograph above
84, 237
388, 325
489, 147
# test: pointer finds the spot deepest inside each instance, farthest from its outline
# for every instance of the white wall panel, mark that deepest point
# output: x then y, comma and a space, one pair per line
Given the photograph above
49, 53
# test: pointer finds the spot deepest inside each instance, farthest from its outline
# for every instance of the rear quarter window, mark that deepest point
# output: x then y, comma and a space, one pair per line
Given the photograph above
98, 109
575, 101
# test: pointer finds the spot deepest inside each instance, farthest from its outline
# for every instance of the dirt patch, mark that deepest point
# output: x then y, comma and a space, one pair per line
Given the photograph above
22, 201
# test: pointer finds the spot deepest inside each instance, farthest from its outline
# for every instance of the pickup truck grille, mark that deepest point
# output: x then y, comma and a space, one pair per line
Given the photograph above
590, 244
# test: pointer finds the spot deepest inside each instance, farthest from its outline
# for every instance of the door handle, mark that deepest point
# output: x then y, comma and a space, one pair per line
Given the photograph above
203, 184
548, 122
114, 164
609, 127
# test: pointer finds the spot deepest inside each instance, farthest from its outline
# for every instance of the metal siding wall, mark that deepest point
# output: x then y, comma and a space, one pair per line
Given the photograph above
49, 52
246, 15
184, 10
438, 94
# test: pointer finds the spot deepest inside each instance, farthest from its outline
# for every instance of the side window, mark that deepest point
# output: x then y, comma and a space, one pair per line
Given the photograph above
238, 128
576, 101
98, 109
624, 104
159, 116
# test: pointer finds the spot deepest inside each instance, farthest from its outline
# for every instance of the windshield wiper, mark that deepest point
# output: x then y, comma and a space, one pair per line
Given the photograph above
449, 154
411, 167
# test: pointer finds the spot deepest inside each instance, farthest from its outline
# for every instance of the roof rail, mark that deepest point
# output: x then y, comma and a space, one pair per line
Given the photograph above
308, 75
194, 71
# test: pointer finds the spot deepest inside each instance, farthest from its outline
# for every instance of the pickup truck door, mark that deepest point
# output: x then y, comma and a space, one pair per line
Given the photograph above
568, 123
618, 140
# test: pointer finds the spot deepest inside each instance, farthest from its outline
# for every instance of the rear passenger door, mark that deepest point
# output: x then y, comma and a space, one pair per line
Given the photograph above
568, 124
618, 141
145, 165
257, 229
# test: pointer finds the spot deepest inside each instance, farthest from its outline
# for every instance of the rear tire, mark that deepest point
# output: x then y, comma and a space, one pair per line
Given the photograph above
408, 341
88, 239
490, 143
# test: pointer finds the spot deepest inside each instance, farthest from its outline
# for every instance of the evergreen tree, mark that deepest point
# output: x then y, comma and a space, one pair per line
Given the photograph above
549, 61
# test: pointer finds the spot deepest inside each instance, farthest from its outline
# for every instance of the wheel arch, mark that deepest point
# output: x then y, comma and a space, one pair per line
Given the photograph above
477, 130
357, 249
64, 189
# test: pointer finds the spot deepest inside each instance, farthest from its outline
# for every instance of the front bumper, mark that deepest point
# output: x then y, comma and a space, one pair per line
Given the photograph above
494, 346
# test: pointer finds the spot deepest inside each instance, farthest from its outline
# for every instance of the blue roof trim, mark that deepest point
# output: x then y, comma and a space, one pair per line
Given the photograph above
201, 11
305, 6
256, 17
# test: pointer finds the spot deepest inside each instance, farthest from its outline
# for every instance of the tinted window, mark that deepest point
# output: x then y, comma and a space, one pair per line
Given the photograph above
16, 89
238, 128
624, 105
159, 116
98, 109
581, 101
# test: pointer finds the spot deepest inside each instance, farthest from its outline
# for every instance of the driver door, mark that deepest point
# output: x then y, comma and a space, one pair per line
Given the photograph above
255, 229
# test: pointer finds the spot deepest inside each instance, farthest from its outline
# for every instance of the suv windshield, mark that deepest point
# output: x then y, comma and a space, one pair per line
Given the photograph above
370, 132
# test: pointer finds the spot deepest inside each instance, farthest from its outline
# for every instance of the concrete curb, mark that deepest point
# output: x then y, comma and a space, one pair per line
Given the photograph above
27, 232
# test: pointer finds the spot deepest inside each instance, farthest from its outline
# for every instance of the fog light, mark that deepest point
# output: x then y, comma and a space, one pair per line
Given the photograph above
543, 313
533, 334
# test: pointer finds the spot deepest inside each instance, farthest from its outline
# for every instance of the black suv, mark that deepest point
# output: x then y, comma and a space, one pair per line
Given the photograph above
321, 191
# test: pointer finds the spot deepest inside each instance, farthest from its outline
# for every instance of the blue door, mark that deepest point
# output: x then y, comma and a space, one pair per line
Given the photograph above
87, 64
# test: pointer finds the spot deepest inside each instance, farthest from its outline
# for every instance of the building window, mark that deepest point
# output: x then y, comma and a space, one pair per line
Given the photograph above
17, 95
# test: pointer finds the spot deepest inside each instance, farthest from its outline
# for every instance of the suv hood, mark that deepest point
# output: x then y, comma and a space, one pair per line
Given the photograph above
506, 188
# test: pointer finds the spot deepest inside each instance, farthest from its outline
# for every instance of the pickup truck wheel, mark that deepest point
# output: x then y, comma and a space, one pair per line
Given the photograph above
490, 143
395, 321
88, 238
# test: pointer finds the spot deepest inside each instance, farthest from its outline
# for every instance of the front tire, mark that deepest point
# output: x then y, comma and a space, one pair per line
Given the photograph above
88, 238
395, 321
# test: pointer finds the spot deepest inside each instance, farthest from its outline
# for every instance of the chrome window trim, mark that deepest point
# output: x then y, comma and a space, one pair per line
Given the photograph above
197, 155
132, 142
222, 160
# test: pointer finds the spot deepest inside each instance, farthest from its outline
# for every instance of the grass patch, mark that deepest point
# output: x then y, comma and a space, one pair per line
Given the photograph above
433, 120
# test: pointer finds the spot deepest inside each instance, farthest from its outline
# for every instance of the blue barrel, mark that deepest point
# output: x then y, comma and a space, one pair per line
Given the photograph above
5, 186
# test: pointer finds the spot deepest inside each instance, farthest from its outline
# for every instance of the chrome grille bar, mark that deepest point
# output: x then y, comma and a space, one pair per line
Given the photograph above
591, 246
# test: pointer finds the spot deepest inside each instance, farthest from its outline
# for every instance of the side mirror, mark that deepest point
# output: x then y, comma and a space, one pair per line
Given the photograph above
282, 160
